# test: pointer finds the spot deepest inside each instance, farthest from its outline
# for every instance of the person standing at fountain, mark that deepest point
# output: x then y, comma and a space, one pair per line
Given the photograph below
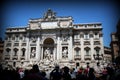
66, 75
55, 74
34, 74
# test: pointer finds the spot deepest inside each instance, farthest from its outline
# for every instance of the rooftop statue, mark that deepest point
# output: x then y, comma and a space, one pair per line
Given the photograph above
49, 14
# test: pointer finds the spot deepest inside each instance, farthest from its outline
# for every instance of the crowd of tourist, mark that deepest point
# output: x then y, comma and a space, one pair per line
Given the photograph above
110, 72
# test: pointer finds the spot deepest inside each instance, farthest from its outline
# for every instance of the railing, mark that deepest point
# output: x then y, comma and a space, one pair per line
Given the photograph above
7, 57
76, 41
96, 39
15, 57
77, 57
87, 57
22, 57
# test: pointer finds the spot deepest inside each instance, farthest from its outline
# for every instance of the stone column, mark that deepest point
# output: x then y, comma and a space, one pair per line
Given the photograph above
12, 51
101, 44
55, 53
70, 50
92, 46
58, 46
82, 47
38, 49
27, 55
41, 52
60, 51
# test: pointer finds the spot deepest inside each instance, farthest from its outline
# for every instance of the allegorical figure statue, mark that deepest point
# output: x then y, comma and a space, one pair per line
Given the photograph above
33, 53
65, 52
47, 53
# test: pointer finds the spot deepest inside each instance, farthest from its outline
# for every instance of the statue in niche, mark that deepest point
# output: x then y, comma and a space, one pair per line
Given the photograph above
33, 39
65, 52
65, 38
47, 53
33, 52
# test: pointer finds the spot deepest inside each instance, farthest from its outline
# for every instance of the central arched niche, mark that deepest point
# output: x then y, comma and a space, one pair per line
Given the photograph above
48, 41
48, 48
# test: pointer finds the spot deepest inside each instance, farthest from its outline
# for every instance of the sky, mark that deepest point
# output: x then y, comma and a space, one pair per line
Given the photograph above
16, 13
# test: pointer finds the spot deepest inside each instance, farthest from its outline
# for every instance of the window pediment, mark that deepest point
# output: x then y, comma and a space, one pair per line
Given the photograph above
87, 48
77, 48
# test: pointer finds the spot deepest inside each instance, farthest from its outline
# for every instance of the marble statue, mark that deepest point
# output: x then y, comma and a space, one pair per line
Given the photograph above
65, 52
33, 53
47, 53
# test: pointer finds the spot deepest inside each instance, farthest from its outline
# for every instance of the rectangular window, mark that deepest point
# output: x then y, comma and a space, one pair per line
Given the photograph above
15, 53
21, 38
85, 26
76, 26
94, 25
76, 36
17, 39
96, 36
97, 51
77, 52
87, 52
86, 36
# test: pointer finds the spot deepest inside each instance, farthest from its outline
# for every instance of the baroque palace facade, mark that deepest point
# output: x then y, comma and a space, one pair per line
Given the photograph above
53, 40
